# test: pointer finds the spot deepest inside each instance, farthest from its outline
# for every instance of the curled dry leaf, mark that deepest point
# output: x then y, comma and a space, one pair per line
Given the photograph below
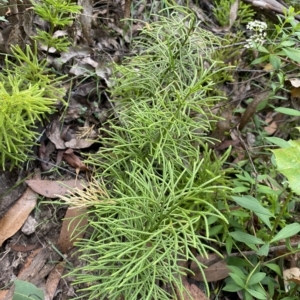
15, 217
53, 189
54, 135
79, 143
293, 275
72, 228
295, 82
215, 272
191, 290
53, 280
74, 161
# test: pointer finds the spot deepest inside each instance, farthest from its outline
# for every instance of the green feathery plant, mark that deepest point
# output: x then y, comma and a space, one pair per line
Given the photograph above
157, 185
28, 92
222, 9
59, 13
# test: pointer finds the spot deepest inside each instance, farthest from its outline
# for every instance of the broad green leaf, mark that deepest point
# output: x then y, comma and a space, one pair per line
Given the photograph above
231, 288
294, 143
274, 268
278, 142
264, 250
275, 61
229, 244
240, 189
265, 219
252, 204
237, 279
286, 232
26, 291
256, 278
237, 271
287, 44
288, 163
246, 238
263, 49
257, 295
288, 111
292, 53
260, 60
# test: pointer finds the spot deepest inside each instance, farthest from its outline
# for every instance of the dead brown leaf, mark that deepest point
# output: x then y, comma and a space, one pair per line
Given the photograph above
292, 274
15, 217
74, 161
295, 82
71, 230
271, 128
215, 272
295, 92
233, 13
53, 280
79, 143
3, 293
53, 189
54, 135
193, 292
44, 152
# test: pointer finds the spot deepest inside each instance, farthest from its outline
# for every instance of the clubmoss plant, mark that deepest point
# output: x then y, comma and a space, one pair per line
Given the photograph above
28, 93
59, 13
156, 184
222, 9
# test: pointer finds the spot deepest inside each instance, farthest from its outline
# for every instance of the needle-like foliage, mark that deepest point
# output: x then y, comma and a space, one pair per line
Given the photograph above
27, 94
157, 183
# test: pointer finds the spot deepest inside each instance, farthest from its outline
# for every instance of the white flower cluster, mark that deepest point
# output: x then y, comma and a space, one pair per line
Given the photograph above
258, 37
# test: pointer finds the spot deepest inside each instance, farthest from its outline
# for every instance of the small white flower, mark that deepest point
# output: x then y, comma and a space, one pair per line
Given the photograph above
257, 38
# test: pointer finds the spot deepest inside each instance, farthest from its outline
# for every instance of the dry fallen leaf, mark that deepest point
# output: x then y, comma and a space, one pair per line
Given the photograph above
74, 161
233, 13
3, 293
53, 280
15, 217
268, 67
79, 143
52, 189
271, 128
295, 92
191, 290
293, 275
73, 222
295, 82
54, 135
215, 272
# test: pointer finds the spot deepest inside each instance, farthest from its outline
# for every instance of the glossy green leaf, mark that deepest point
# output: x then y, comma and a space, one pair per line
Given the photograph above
286, 232
287, 44
237, 271
256, 278
260, 60
237, 279
278, 142
252, 204
288, 111
288, 163
246, 238
275, 61
264, 250
257, 295
27, 291
275, 268
292, 53
232, 288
